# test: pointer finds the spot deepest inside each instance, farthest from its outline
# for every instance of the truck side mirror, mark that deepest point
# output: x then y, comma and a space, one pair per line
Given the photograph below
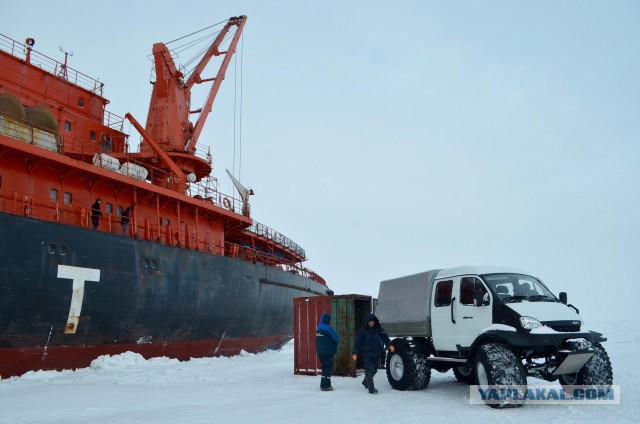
563, 297
478, 296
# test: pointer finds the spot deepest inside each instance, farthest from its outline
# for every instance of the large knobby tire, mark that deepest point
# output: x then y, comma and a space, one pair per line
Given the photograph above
496, 365
464, 374
407, 370
596, 372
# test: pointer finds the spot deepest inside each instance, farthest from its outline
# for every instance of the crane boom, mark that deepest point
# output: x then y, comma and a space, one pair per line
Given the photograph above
195, 76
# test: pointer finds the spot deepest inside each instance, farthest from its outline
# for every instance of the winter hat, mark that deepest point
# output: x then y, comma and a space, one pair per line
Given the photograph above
371, 317
325, 318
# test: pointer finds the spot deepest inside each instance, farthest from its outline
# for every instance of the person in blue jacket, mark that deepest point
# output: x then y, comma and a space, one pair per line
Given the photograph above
326, 347
370, 341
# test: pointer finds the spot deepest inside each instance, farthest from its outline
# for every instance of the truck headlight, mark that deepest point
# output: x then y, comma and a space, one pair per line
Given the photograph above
529, 323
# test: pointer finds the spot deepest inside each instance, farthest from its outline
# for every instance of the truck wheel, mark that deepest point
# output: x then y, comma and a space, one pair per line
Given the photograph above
596, 372
497, 365
464, 374
407, 370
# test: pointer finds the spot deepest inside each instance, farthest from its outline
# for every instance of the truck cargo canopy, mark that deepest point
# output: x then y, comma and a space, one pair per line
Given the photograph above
403, 304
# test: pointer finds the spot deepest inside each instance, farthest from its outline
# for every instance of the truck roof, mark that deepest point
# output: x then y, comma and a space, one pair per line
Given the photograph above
477, 270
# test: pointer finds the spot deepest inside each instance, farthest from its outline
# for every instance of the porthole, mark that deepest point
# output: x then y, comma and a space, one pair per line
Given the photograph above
62, 250
51, 249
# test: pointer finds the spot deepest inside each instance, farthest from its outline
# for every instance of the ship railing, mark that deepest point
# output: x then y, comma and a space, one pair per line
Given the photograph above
86, 150
207, 191
254, 255
204, 153
18, 129
21, 51
113, 121
62, 208
269, 233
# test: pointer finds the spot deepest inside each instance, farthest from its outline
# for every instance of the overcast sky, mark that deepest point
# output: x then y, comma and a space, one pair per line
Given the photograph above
389, 138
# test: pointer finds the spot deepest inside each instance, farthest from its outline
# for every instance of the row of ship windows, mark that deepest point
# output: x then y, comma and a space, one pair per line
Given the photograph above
68, 199
92, 134
52, 249
67, 124
149, 263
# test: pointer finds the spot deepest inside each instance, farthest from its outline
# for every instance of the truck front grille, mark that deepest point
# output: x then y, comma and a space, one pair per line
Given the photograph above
564, 326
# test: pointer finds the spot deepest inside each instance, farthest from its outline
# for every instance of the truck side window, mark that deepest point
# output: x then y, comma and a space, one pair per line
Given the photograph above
467, 285
443, 293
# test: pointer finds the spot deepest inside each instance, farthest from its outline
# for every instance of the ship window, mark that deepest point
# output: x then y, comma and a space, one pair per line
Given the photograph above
109, 208
80, 102
67, 126
167, 222
119, 210
53, 195
92, 135
68, 197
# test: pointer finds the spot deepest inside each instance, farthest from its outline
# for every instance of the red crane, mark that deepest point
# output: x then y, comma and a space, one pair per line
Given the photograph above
169, 136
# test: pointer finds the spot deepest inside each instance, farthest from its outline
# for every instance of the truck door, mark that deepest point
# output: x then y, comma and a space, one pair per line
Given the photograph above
470, 318
443, 328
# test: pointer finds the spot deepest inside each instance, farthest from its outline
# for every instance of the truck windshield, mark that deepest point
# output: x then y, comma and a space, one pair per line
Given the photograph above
518, 287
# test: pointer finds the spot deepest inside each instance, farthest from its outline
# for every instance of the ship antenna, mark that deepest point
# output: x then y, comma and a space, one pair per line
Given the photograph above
63, 68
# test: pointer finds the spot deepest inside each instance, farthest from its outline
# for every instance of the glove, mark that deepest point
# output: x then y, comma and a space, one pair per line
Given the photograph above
355, 357
392, 348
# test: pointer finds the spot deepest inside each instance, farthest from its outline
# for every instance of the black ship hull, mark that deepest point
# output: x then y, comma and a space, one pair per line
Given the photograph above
69, 295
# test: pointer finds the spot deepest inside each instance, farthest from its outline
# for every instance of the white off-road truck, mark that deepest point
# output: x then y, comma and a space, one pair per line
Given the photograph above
493, 326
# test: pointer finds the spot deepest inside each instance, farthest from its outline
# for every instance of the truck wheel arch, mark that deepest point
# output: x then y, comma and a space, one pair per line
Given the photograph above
484, 338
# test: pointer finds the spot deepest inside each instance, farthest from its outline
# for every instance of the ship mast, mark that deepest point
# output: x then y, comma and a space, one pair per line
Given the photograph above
169, 136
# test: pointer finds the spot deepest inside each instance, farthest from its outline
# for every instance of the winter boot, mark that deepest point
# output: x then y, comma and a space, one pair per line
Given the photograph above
325, 384
365, 384
370, 386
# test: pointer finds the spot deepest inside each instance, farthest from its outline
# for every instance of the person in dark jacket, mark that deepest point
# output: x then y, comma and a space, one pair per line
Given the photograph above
326, 347
370, 341
125, 221
96, 213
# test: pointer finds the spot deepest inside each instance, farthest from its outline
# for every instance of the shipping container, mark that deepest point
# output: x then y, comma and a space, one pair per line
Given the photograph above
348, 314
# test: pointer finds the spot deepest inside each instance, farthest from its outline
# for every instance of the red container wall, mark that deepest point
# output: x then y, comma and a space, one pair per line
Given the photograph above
306, 312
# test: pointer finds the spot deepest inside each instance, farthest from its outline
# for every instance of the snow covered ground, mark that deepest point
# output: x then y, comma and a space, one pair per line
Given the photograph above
262, 388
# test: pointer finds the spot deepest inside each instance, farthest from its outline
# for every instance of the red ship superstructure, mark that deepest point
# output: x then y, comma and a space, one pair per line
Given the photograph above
182, 269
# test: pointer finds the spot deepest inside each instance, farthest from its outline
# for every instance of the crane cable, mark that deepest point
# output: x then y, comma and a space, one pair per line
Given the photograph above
239, 108
193, 33
241, 91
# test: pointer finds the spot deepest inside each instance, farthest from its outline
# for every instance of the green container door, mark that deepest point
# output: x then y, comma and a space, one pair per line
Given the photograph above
347, 312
